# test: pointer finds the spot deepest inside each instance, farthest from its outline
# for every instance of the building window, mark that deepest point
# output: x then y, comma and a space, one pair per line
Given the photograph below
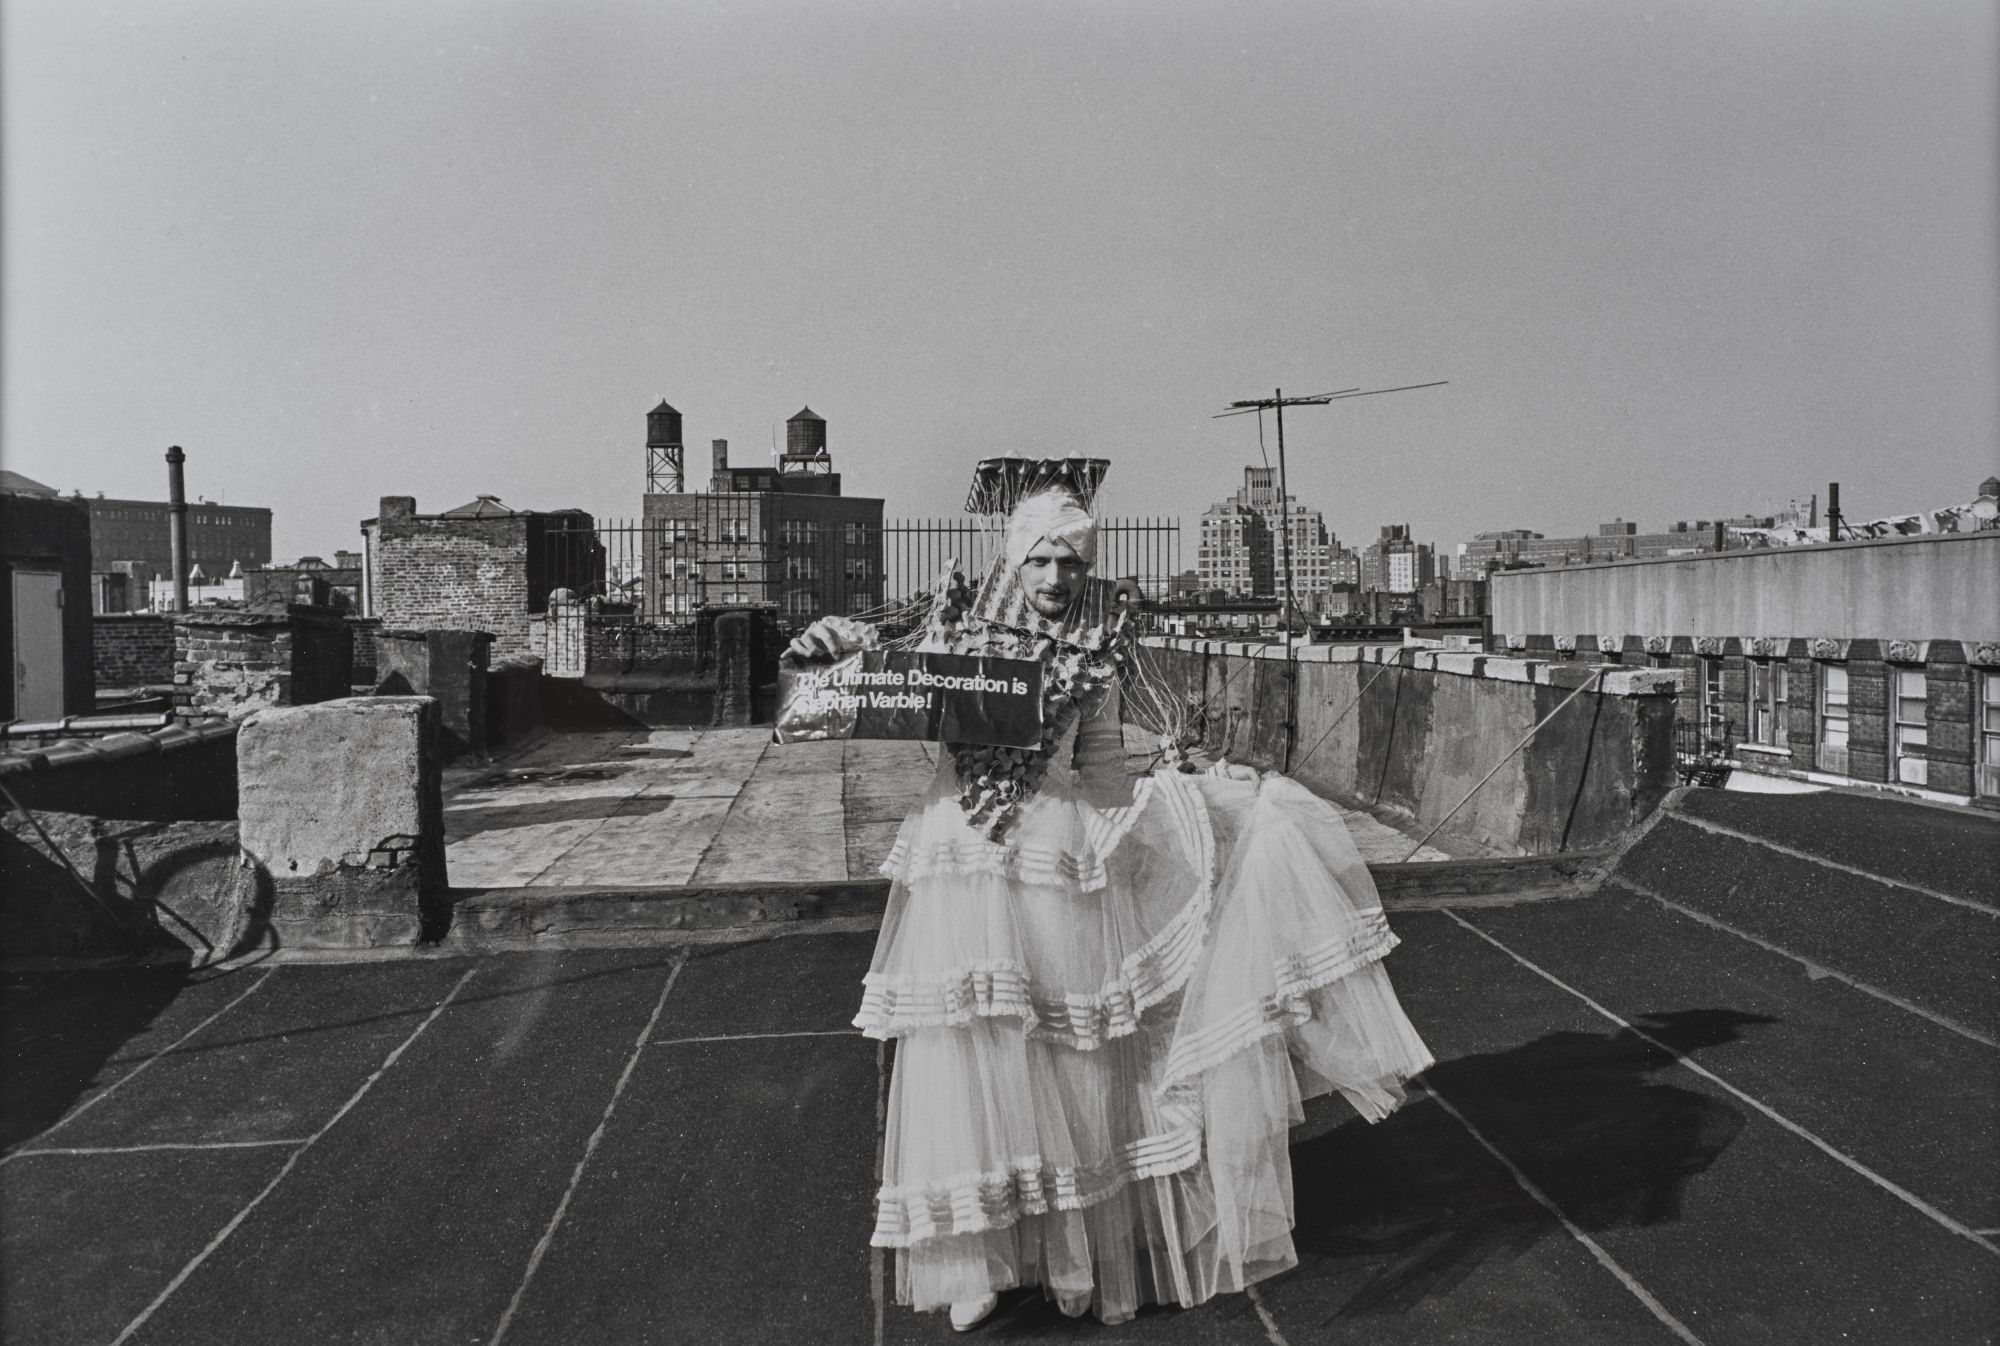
801, 567
1769, 693
1912, 728
1714, 724
1833, 719
1989, 734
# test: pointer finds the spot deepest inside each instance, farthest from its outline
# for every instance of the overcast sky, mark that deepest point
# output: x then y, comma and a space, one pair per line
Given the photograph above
1676, 259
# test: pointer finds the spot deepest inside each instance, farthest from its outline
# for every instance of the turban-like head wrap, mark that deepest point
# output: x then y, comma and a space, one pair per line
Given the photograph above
1054, 515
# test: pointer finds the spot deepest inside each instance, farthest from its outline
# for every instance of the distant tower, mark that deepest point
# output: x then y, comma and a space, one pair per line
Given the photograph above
663, 451
805, 447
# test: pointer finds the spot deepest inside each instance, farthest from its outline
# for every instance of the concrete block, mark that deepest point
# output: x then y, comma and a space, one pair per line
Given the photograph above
1465, 665
320, 786
1642, 682
1345, 654
342, 807
1569, 677
1425, 659
1512, 670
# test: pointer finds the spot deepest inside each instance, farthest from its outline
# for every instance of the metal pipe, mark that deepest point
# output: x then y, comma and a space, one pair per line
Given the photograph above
177, 508
86, 724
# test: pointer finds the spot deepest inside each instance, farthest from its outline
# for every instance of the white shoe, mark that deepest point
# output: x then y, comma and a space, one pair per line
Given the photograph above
970, 1313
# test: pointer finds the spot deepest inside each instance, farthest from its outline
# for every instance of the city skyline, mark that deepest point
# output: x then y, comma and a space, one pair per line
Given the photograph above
1674, 265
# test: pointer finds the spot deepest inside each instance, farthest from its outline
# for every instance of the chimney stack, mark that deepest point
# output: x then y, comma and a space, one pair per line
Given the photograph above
177, 534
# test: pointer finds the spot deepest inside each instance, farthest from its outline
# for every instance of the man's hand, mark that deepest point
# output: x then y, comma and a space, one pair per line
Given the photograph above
829, 639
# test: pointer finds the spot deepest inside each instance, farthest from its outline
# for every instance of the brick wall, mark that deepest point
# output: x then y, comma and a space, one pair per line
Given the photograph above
233, 662
133, 649
628, 647
1949, 687
452, 574
365, 662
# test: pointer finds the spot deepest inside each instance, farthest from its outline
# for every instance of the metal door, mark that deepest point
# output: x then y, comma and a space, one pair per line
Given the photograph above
38, 645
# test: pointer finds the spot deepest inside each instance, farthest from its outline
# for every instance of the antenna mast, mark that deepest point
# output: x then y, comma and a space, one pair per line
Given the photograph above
1277, 402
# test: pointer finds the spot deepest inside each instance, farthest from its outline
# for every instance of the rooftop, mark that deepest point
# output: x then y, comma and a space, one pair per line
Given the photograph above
1708, 1102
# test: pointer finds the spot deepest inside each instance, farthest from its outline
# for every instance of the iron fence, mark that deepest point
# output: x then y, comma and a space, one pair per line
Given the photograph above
806, 556
915, 551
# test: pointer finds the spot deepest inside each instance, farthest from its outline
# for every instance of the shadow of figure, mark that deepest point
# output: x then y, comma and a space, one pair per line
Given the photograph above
1414, 1205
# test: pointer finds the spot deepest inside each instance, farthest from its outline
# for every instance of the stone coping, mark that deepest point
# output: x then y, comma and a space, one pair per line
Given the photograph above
1987, 535
1568, 675
115, 747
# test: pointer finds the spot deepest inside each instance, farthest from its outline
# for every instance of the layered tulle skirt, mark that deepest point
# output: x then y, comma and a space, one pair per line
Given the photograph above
1105, 1026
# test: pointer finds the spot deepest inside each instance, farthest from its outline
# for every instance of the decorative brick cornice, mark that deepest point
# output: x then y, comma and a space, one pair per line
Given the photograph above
1567, 643
1659, 644
1985, 652
1766, 647
1827, 647
1610, 644
1905, 651
1708, 645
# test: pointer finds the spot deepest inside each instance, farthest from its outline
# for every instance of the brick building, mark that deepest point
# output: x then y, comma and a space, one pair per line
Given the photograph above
132, 538
781, 534
480, 567
1873, 662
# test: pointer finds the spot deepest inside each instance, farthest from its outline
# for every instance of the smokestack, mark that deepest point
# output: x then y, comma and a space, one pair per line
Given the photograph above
721, 448
177, 532
1833, 519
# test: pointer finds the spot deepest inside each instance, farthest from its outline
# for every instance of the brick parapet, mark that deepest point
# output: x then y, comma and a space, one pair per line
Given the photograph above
133, 649
454, 574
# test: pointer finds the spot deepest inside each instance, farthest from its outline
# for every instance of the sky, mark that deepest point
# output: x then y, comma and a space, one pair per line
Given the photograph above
1674, 260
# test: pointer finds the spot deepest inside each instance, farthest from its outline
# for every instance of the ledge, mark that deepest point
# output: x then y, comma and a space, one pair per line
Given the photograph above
114, 747
1612, 679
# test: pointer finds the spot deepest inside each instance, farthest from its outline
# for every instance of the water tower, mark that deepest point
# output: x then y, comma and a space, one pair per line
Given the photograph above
663, 451
805, 447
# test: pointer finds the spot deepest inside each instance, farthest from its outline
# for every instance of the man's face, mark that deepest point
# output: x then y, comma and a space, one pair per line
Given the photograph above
1053, 575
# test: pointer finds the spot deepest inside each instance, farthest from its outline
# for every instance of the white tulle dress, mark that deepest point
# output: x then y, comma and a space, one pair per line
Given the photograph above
1105, 1023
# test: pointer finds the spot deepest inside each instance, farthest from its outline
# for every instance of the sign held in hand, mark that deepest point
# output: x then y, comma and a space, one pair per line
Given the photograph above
950, 698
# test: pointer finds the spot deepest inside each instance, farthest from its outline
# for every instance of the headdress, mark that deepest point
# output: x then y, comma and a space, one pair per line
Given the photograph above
1041, 497
999, 484
1052, 514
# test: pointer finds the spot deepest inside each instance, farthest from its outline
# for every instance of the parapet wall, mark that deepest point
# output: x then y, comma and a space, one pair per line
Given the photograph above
1406, 733
133, 649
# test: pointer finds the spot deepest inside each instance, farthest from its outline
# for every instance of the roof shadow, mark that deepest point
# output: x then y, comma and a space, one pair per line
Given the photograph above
461, 823
1413, 1206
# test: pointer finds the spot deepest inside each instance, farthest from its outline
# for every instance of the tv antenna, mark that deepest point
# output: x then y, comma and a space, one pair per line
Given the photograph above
1277, 403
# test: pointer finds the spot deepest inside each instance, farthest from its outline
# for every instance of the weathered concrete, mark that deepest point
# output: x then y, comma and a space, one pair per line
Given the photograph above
1945, 586
448, 666
1406, 734
342, 806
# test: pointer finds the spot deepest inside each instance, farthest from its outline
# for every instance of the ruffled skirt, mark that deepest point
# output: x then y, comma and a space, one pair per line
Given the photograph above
1105, 1027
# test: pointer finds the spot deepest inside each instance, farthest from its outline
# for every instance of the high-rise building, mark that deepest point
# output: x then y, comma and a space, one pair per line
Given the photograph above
1395, 563
1243, 547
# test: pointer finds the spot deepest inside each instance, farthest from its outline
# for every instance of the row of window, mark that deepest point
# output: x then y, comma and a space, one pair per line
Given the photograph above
1770, 704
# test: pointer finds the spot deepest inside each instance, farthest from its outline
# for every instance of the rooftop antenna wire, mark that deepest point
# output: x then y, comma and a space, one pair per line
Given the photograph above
1277, 402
